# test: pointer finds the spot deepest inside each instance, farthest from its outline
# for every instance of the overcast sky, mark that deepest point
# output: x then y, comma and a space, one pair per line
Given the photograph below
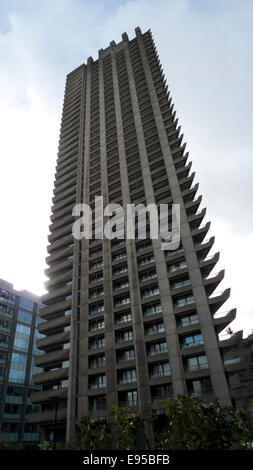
205, 48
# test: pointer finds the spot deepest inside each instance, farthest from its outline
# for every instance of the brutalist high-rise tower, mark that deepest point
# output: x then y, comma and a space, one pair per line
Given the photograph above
126, 321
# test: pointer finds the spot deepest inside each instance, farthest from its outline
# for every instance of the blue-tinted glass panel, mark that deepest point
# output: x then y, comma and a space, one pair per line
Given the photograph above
24, 317
28, 304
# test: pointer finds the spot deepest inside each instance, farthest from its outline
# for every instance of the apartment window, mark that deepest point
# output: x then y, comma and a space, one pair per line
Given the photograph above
154, 328
96, 308
188, 320
150, 292
159, 369
199, 387
119, 255
97, 277
96, 324
184, 300
7, 296
122, 268
126, 376
96, 252
197, 363
5, 325
96, 264
97, 381
6, 311
143, 245
151, 309
96, 292
145, 276
191, 341
124, 300
123, 317
173, 252
129, 398
122, 284
180, 283
97, 361
124, 335
97, 403
97, 342
146, 260
125, 355
177, 266
161, 392
157, 348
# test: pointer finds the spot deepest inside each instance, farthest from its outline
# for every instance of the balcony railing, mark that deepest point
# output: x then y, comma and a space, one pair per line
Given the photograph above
130, 403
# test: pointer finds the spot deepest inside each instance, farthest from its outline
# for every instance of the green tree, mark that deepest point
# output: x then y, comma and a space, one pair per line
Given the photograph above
124, 427
194, 425
94, 434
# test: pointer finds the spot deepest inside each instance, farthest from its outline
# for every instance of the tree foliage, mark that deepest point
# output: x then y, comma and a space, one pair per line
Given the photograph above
194, 425
94, 434
191, 425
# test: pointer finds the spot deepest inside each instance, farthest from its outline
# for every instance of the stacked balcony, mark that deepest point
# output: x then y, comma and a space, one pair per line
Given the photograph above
54, 358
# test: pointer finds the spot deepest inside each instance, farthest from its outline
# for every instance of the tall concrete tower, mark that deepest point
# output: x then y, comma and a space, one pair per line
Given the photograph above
126, 322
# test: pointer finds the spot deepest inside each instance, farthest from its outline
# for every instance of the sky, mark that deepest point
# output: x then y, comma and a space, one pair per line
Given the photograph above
205, 47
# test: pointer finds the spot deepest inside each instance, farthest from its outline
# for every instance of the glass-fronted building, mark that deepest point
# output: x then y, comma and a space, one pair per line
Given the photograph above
18, 334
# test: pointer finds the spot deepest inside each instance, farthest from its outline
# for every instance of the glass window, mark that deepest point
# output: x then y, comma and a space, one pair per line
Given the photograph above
191, 341
24, 317
127, 376
28, 304
160, 369
6, 311
157, 348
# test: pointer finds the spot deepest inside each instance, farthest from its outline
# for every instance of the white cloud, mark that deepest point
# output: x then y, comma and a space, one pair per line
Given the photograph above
205, 50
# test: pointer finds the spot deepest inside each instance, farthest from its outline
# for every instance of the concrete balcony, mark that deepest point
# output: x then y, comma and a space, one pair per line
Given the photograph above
223, 319
191, 207
196, 373
208, 264
55, 246
59, 268
60, 279
52, 340
53, 310
212, 283
196, 219
54, 357
64, 194
51, 326
60, 233
218, 300
200, 233
57, 294
189, 194
51, 377
63, 221
63, 202
190, 351
60, 180
60, 213
71, 166
229, 342
67, 184
202, 249
180, 162
183, 172
65, 252
186, 183
40, 397
47, 416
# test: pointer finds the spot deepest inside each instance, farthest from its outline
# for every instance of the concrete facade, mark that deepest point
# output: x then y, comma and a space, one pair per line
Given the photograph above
126, 321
